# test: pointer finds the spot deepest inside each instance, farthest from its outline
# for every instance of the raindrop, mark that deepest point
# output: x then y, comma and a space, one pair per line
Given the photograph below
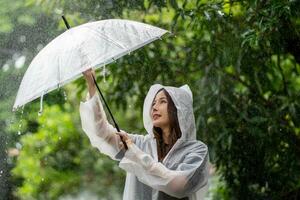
11, 121
18, 145
5, 67
42, 179
22, 38
59, 138
220, 13
20, 125
207, 15
104, 73
41, 104
19, 63
58, 11
40, 113
65, 95
1, 171
39, 47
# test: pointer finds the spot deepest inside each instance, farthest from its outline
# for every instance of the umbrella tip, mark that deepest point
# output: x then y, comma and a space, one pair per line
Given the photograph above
41, 104
15, 107
172, 34
66, 22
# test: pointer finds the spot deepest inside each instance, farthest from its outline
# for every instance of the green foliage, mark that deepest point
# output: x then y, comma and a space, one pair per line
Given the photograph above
51, 159
248, 99
244, 74
241, 59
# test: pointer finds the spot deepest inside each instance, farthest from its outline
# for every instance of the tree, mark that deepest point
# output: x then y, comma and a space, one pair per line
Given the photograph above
18, 44
57, 158
244, 59
241, 59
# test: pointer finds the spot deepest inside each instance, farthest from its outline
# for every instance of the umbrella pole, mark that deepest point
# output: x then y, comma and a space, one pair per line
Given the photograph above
112, 117
115, 123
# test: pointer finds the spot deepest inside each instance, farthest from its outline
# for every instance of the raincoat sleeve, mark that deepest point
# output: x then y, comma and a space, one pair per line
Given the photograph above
189, 176
100, 132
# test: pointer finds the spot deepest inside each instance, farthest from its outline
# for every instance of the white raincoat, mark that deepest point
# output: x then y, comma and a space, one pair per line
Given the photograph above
182, 174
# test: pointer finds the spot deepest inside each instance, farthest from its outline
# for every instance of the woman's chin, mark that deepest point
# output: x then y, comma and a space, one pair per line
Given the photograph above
159, 124
156, 124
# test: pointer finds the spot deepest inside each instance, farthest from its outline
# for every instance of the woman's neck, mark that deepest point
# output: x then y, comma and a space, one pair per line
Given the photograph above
166, 135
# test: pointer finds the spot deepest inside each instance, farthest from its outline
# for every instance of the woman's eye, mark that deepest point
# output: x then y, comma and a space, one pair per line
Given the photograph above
159, 102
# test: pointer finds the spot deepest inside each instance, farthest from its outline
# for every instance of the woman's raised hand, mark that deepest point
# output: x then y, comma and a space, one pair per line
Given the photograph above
88, 75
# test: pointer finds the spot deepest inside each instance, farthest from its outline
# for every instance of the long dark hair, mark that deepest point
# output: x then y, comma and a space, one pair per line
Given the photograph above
162, 148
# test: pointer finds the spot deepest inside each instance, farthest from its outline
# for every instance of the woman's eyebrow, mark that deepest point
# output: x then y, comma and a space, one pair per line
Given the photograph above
160, 98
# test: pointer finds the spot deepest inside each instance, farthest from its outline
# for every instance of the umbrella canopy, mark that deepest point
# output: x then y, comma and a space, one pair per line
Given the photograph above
93, 44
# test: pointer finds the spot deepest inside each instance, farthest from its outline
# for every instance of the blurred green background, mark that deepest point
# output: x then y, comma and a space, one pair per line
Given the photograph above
240, 58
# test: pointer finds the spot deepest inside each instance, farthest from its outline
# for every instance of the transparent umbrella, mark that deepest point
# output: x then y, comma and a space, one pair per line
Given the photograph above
90, 45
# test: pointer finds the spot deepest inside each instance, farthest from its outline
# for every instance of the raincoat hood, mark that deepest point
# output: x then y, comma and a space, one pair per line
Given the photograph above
183, 100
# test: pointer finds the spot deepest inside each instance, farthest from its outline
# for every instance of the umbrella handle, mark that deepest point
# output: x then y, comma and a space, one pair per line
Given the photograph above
115, 123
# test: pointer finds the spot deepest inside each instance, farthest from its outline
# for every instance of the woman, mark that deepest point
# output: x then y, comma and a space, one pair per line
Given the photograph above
168, 162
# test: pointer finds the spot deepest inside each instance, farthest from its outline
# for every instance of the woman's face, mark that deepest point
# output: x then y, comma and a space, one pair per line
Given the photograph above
159, 111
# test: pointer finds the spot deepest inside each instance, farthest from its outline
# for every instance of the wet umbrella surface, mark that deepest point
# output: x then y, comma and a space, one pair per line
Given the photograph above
94, 44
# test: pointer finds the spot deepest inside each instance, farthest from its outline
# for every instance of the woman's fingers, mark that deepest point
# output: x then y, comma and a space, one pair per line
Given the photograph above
125, 138
89, 73
121, 145
123, 135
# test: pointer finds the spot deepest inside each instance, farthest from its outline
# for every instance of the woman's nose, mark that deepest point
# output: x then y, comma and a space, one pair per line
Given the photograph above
154, 108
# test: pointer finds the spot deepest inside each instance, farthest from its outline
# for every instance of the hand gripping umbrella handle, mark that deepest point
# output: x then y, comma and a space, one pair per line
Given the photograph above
115, 123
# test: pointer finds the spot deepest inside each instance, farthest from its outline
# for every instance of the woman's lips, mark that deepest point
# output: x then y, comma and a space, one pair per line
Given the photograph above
155, 116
